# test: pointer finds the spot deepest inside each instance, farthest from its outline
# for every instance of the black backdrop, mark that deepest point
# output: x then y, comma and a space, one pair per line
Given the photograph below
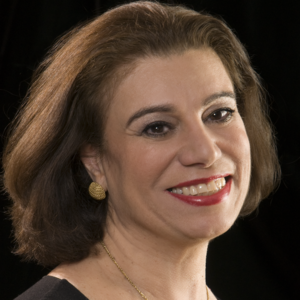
258, 258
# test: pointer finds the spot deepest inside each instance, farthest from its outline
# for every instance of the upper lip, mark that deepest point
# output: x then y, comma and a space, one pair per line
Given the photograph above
200, 180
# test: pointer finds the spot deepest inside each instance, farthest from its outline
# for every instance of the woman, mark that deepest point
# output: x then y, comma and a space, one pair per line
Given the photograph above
144, 137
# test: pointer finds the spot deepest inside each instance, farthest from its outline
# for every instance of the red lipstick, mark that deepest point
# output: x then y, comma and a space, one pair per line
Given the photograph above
216, 198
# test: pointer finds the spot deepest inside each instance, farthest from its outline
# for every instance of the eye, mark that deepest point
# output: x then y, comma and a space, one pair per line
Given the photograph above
157, 129
221, 115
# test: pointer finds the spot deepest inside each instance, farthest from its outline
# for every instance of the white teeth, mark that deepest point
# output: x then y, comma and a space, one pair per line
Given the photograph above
193, 190
218, 183
179, 191
202, 188
211, 186
186, 191
223, 181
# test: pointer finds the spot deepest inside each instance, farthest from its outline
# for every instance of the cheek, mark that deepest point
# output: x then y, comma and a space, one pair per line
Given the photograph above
240, 147
239, 143
135, 164
235, 146
239, 150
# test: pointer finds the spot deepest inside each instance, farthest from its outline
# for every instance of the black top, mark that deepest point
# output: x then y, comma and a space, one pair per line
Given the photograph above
52, 288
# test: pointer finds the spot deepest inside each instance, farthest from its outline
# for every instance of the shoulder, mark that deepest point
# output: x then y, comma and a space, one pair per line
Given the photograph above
52, 288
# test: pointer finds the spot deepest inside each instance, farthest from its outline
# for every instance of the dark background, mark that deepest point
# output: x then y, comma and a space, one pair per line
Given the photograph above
258, 258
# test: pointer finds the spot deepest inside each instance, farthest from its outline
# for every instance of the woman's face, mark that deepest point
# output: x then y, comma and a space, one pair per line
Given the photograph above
174, 120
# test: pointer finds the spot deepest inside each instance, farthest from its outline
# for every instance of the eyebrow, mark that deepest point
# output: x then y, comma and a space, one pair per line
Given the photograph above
216, 96
170, 108
150, 110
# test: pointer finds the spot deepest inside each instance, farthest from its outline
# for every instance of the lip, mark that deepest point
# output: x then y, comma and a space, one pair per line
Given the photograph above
213, 199
200, 180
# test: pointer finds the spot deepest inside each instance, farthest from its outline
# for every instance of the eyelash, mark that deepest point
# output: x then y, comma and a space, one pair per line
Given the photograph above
228, 116
157, 124
160, 124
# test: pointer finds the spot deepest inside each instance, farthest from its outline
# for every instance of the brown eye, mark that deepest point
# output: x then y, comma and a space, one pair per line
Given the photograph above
157, 129
221, 115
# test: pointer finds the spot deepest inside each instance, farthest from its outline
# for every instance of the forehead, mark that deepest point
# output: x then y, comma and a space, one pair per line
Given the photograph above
192, 75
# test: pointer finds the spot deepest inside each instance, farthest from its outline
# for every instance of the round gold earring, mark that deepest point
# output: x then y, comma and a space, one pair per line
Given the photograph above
96, 191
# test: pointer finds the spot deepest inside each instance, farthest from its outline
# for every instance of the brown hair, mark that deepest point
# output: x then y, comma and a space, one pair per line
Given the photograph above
54, 218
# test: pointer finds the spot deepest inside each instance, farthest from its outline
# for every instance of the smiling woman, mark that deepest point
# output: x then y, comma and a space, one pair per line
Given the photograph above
178, 124
156, 111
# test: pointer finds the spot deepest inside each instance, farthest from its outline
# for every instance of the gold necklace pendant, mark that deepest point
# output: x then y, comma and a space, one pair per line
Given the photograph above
128, 279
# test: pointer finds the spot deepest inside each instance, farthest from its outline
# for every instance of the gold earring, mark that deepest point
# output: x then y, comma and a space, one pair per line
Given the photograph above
96, 191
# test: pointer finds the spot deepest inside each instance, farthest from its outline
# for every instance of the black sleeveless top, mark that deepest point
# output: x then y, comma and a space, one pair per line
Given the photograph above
52, 288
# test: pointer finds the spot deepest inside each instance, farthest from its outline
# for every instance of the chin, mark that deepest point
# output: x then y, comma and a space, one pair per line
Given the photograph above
210, 228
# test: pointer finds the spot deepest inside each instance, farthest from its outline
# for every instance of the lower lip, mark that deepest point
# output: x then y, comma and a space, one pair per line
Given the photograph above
213, 199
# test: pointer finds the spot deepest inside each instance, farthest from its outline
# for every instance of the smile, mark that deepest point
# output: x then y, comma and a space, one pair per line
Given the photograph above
212, 191
202, 188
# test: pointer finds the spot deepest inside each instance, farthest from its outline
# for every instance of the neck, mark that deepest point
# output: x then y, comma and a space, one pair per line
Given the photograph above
161, 268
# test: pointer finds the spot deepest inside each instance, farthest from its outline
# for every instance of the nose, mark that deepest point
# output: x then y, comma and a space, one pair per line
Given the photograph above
199, 147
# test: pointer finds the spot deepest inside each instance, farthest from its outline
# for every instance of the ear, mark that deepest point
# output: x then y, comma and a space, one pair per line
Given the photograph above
93, 163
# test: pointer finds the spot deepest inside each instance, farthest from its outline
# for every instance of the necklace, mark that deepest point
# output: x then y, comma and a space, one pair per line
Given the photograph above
128, 279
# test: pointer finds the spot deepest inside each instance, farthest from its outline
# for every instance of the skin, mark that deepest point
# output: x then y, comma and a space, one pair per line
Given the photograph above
160, 241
